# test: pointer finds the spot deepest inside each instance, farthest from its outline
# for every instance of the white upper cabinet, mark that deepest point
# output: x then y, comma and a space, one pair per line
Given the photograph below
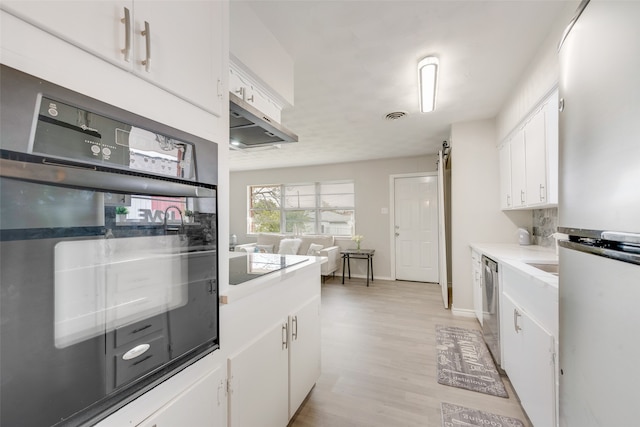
529, 160
535, 155
245, 88
177, 46
506, 197
185, 49
95, 26
518, 169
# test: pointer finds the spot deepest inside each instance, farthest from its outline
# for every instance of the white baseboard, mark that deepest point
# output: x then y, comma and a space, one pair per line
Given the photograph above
463, 312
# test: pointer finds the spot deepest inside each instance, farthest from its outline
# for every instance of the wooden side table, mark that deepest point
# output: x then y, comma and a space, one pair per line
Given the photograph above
367, 254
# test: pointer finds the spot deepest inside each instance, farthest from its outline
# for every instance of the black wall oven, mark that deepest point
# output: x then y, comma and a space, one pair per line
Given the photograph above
108, 252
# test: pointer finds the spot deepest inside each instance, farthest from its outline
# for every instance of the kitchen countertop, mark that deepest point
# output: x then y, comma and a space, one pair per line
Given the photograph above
267, 276
518, 256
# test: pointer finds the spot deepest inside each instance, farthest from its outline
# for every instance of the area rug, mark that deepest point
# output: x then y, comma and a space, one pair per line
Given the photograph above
464, 361
455, 416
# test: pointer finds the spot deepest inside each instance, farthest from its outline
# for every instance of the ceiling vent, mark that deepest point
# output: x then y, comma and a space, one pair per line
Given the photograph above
395, 115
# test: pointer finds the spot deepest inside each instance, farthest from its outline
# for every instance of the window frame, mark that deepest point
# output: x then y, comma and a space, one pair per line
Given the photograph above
317, 209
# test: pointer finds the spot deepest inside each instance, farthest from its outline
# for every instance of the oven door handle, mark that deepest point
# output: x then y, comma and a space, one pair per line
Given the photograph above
52, 173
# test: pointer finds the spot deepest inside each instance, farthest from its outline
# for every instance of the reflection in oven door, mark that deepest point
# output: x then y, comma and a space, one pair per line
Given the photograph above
94, 312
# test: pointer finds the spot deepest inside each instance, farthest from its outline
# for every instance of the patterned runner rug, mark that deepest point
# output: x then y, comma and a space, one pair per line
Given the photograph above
464, 361
456, 416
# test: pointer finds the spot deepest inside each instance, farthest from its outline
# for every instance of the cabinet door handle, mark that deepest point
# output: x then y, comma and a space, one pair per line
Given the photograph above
508, 200
146, 33
127, 34
285, 336
294, 328
541, 192
515, 320
522, 197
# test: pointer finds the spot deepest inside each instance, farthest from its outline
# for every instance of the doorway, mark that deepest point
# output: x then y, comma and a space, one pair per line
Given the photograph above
415, 227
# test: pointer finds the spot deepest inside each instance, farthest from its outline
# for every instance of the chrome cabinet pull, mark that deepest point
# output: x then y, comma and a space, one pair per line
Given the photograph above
522, 197
294, 330
127, 34
541, 192
508, 200
147, 39
515, 320
285, 336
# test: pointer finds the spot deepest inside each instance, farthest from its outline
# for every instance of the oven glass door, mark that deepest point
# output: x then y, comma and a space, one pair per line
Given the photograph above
103, 294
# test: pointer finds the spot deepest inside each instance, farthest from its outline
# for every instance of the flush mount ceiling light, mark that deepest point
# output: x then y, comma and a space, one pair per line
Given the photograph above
428, 75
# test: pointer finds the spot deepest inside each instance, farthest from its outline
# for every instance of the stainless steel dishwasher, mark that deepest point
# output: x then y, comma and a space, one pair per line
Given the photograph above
490, 307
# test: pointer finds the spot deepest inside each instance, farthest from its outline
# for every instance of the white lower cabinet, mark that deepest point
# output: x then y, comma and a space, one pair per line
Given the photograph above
258, 380
203, 404
270, 377
476, 280
304, 352
529, 360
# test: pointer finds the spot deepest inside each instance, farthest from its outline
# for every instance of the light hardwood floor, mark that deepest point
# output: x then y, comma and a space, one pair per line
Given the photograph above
379, 359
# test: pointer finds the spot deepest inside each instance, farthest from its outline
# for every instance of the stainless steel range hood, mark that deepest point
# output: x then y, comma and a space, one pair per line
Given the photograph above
249, 128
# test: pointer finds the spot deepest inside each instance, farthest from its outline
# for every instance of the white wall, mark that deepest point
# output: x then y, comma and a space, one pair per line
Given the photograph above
254, 46
476, 216
475, 203
372, 195
540, 78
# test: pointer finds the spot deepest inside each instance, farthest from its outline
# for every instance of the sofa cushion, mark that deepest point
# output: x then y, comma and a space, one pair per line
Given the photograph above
314, 249
307, 240
268, 249
289, 246
270, 239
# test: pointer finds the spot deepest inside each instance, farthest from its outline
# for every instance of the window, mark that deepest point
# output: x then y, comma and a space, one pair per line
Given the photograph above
314, 208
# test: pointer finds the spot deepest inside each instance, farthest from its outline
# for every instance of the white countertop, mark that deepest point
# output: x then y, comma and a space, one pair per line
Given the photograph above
518, 256
262, 282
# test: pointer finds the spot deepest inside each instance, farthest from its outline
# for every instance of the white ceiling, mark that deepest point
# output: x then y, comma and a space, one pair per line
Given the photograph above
356, 61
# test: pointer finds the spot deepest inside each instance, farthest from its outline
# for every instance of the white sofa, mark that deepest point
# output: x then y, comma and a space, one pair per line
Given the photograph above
324, 247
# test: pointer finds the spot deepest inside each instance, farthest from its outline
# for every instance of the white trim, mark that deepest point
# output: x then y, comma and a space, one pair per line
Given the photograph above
463, 312
392, 214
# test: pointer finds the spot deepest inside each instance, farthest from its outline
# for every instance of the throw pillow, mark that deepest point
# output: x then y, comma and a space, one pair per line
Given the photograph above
289, 246
314, 249
265, 249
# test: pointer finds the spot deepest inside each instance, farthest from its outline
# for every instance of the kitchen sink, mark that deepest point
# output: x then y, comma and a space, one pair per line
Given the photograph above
549, 268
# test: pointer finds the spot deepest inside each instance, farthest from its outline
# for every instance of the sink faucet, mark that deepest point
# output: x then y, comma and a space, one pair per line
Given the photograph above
179, 213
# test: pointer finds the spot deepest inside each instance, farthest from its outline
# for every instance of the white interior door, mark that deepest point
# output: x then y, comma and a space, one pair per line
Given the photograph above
442, 246
416, 228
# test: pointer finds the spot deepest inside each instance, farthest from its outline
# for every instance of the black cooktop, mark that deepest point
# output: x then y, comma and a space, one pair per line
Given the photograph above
253, 265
